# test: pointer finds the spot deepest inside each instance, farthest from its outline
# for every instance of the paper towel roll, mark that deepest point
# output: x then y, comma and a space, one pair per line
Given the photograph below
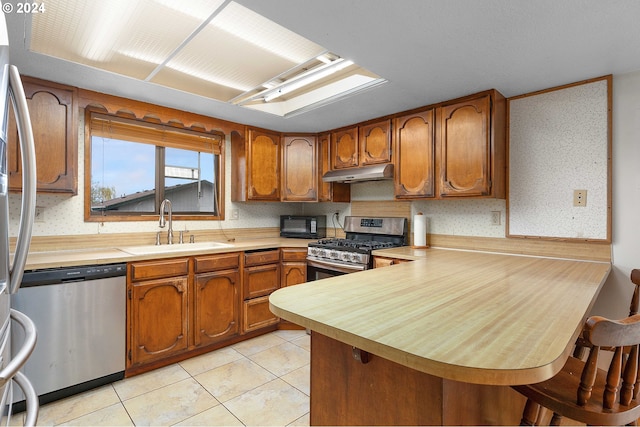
419, 230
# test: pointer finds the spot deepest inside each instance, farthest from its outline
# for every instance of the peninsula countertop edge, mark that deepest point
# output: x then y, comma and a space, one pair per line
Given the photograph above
476, 317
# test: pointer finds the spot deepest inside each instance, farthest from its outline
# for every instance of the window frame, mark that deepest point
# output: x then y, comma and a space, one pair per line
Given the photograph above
150, 128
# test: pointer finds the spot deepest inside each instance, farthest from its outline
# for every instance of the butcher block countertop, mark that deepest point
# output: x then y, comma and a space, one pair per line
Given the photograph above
475, 317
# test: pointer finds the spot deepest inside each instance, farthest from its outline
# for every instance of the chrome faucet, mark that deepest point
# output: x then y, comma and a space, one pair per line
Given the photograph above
166, 202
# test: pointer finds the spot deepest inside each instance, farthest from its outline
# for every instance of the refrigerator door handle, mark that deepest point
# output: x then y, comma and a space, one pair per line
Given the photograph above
27, 148
31, 398
14, 365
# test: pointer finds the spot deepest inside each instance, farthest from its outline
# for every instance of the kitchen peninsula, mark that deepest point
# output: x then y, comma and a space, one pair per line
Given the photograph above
438, 340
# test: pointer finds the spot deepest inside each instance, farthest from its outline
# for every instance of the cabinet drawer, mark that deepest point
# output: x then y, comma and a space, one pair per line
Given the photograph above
159, 268
216, 262
262, 257
261, 280
257, 314
291, 254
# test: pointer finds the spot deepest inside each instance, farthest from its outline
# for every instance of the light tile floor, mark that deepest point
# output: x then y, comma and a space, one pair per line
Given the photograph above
262, 381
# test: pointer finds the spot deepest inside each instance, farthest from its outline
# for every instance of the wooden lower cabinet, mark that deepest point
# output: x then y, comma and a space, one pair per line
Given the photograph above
260, 280
178, 305
158, 319
257, 314
294, 266
260, 276
181, 307
294, 272
216, 306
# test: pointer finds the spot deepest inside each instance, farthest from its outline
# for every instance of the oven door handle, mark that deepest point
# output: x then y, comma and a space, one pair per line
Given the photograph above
329, 265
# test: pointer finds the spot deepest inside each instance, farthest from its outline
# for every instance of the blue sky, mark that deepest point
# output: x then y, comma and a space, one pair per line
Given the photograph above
129, 166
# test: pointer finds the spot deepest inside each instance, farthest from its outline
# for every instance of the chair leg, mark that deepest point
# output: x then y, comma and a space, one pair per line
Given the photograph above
530, 413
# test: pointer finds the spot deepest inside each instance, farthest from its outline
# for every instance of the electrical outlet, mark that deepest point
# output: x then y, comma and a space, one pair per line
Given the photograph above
235, 213
496, 217
580, 198
337, 214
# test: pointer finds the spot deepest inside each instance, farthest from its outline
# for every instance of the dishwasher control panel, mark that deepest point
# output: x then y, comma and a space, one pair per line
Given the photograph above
50, 276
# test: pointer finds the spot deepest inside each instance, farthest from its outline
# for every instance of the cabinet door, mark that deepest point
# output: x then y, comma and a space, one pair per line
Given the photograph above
300, 169
293, 273
263, 166
216, 306
158, 319
465, 156
52, 109
375, 143
327, 191
257, 314
414, 150
344, 149
261, 280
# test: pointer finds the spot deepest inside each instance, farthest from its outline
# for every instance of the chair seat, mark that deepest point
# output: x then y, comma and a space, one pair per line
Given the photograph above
559, 395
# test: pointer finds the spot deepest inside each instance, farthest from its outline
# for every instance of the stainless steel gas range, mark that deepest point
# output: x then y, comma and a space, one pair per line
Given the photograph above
333, 257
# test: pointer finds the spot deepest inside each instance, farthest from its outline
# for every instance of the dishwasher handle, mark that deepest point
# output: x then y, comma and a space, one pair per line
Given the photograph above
14, 365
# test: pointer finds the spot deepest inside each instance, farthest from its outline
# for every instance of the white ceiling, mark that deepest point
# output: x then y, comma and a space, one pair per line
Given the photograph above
428, 50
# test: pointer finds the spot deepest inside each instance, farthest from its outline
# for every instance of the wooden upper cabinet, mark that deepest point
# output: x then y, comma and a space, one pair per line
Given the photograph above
53, 112
472, 147
263, 165
300, 169
329, 192
414, 152
344, 148
375, 143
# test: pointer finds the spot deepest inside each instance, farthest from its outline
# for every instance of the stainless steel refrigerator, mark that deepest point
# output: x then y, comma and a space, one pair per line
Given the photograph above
12, 266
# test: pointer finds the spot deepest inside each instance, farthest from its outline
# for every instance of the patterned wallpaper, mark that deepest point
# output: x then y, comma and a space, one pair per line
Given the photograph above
559, 143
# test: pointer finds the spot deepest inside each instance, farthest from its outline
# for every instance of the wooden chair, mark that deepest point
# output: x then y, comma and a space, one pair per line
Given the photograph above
580, 350
583, 392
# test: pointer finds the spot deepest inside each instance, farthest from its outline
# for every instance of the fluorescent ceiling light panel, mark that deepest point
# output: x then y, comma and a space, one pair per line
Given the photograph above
320, 97
307, 78
217, 49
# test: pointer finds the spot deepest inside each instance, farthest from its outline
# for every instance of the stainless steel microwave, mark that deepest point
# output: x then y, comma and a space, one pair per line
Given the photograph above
303, 226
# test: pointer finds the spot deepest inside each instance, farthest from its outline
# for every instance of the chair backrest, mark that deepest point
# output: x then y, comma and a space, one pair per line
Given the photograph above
616, 335
582, 346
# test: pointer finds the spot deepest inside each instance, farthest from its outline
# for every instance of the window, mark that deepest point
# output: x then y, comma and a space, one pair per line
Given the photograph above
135, 164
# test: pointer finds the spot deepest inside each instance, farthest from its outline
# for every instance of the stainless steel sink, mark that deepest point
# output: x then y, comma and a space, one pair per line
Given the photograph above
181, 247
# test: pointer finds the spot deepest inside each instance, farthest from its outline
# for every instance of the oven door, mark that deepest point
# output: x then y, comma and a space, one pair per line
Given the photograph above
317, 269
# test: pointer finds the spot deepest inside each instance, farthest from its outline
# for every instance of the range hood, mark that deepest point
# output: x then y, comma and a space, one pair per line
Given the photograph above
364, 173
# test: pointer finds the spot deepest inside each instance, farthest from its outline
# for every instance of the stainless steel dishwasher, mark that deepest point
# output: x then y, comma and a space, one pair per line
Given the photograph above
80, 316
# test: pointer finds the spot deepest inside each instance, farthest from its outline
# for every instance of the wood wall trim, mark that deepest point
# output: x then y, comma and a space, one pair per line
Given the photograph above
151, 112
